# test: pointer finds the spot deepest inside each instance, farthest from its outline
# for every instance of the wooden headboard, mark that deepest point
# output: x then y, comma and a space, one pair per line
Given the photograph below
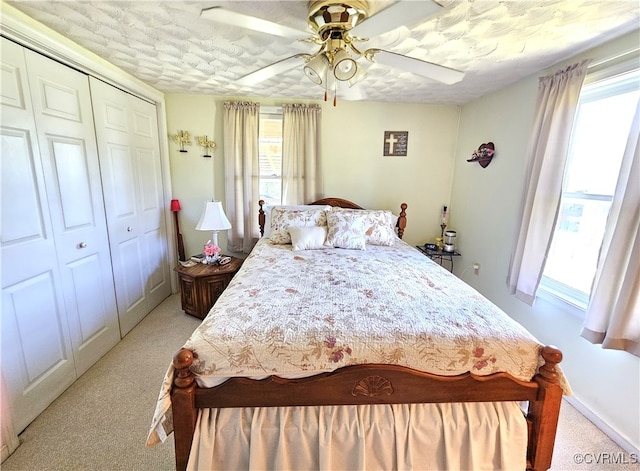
340, 203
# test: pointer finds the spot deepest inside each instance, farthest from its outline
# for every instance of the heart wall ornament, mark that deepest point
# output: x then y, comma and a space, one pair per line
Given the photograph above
484, 154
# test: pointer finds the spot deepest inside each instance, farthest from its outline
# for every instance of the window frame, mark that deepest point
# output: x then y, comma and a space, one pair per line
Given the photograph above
549, 289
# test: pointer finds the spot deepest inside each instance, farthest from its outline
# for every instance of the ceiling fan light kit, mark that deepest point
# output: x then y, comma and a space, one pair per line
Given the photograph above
334, 25
316, 68
344, 66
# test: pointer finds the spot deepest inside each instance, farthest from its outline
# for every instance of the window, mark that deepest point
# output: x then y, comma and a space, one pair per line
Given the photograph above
270, 146
600, 133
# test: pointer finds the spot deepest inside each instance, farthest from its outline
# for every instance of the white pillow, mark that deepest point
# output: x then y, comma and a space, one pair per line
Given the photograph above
308, 238
267, 208
379, 225
283, 219
346, 230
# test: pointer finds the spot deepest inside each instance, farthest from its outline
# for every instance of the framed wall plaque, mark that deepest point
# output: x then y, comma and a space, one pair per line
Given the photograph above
395, 143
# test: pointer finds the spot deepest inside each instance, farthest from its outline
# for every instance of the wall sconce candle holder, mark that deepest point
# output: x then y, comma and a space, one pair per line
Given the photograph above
207, 145
182, 138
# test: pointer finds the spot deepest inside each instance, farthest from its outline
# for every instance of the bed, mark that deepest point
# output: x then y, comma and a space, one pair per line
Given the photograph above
363, 329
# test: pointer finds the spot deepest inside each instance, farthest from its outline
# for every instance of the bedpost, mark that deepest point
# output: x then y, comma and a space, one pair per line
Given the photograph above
402, 220
543, 412
183, 406
261, 217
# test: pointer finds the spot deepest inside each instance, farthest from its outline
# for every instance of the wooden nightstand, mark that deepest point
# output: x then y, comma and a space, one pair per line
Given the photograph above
201, 285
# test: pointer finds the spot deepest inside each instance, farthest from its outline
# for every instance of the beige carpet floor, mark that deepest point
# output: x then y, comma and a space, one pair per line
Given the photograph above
101, 421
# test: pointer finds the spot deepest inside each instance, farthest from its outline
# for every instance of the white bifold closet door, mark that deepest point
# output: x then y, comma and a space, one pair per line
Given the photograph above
59, 311
129, 152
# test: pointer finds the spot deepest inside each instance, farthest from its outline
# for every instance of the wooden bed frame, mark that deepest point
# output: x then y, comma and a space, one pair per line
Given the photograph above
360, 384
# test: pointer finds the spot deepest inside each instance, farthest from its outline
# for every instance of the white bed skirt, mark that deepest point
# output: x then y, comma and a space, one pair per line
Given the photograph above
463, 436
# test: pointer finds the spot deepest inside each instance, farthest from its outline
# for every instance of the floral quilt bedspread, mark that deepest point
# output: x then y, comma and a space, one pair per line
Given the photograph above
293, 313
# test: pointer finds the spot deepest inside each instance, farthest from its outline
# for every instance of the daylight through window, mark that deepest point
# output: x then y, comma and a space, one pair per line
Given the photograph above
270, 144
600, 133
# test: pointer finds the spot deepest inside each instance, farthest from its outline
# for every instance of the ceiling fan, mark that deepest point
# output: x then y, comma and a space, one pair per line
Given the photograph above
336, 28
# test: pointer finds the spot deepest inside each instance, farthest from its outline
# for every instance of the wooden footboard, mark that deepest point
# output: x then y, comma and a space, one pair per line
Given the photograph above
374, 384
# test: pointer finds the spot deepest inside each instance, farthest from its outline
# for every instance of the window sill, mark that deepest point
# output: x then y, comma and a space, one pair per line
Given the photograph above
554, 299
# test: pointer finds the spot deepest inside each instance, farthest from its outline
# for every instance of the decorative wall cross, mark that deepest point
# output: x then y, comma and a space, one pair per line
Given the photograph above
395, 143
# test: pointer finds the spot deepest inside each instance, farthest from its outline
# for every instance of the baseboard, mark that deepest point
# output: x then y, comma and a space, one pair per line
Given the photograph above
602, 425
4, 454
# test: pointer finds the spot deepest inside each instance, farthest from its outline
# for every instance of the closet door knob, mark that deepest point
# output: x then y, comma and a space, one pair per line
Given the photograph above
129, 229
82, 245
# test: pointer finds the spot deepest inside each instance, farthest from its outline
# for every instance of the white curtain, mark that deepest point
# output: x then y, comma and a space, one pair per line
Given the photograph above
613, 315
301, 166
242, 173
553, 119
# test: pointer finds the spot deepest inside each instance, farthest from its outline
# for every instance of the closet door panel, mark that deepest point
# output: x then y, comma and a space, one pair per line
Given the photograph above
130, 160
39, 325
83, 272
66, 132
121, 192
37, 361
20, 185
153, 206
130, 262
37, 357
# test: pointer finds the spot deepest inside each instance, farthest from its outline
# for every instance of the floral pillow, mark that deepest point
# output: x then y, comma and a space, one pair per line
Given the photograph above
268, 208
308, 238
346, 230
379, 225
283, 219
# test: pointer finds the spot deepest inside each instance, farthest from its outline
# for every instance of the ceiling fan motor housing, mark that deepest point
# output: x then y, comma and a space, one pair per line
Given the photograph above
330, 18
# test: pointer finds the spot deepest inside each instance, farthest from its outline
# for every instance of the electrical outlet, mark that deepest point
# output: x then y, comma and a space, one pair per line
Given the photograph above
476, 268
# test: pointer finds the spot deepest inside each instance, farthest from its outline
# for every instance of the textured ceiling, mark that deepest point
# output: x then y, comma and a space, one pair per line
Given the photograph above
167, 45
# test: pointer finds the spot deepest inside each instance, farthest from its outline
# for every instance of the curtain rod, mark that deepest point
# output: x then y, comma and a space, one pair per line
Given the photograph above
614, 58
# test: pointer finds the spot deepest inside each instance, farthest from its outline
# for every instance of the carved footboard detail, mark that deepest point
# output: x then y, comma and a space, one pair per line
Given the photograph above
373, 386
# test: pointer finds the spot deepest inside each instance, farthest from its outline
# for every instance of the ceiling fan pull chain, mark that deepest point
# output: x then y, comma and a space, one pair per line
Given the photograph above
326, 88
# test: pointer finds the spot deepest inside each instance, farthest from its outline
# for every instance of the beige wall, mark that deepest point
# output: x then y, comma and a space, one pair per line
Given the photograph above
354, 167
485, 205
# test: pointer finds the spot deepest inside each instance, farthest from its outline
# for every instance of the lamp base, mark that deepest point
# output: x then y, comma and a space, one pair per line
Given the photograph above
211, 259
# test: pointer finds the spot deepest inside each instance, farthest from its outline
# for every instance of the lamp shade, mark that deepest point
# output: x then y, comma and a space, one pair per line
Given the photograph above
316, 68
344, 66
175, 205
213, 218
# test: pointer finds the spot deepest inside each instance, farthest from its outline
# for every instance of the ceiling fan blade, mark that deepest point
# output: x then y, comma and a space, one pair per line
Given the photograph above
401, 13
271, 70
355, 93
232, 18
417, 66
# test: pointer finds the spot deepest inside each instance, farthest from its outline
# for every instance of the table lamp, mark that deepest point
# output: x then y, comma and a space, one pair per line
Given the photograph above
213, 219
